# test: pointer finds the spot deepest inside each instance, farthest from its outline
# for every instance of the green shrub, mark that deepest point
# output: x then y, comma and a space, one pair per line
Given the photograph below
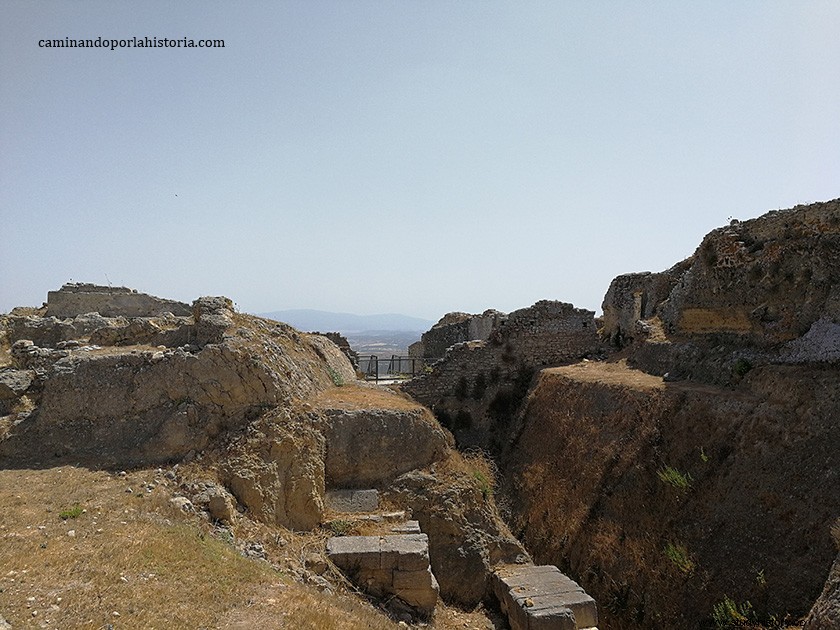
341, 527
675, 478
728, 614
71, 512
741, 367
484, 484
337, 379
679, 556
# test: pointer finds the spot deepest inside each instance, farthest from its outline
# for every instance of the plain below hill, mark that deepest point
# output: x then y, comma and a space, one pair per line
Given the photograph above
348, 323
384, 335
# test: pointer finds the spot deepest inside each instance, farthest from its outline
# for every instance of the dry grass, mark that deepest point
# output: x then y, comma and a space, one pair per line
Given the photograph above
357, 396
135, 561
614, 374
136, 555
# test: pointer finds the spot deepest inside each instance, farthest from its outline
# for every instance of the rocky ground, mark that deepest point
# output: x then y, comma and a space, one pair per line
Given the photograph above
164, 471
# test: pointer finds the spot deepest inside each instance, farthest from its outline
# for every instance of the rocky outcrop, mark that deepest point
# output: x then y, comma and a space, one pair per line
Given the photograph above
825, 614
466, 537
157, 403
276, 471
341, 341
749, 289
666, 498
372, 447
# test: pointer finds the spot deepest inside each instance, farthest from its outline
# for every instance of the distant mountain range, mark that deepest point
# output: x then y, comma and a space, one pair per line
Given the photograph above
347, 323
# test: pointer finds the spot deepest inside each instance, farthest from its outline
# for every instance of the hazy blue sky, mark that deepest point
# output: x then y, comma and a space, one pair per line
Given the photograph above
415, 157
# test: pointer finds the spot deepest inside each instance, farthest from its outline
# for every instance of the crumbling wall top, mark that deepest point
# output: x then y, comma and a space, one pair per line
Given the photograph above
81, 298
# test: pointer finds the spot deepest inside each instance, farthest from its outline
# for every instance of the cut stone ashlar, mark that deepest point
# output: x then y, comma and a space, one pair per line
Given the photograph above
395, 564
543, 598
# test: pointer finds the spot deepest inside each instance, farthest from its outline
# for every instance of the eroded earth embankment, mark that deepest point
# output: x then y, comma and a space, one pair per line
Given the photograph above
667, 498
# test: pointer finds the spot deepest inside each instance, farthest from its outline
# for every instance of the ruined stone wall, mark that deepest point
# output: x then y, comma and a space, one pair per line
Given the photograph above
636, 296
456, 328
78, 299
760, 282
548, 333
476, 389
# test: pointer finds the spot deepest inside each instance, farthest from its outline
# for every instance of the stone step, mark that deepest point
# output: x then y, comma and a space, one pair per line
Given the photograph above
352, 501
406, 527
543, 598
396, 564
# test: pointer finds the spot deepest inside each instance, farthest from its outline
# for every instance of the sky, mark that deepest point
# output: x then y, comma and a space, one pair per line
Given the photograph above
411, 157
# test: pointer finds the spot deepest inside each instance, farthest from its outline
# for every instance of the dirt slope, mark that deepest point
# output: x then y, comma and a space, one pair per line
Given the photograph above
667, 498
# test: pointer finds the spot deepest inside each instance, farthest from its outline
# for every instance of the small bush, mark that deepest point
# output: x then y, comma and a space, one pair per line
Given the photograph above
482, 470
337, 379
483, 484
71, 512
728, 614
679, 556
741, 367
675, 478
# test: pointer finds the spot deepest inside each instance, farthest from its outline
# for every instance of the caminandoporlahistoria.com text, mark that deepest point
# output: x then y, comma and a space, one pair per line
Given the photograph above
131, 42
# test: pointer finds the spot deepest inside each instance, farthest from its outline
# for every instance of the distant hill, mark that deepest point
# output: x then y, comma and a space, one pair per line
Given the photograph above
348, 323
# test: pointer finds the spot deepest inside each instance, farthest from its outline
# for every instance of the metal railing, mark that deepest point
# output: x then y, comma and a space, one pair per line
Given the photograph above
395, 367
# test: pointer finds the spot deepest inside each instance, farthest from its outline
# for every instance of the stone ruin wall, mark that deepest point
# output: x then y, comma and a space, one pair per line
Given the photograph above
478, 384
455, 328
78, 299
548, 333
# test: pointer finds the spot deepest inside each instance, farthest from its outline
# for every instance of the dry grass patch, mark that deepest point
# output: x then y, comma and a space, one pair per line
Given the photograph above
79, 551
356, 396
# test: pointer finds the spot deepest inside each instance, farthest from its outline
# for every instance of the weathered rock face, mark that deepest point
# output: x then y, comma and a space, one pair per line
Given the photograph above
466, 537
153, 404
825, 614
276, 470
341, 341
372, 447
748, 289
476, 390
664, 498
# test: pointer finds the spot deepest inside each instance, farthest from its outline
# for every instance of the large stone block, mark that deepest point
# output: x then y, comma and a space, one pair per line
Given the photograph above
371, 447
389, 565
406, 552
408, 580
543, 597
352, 501
354, 552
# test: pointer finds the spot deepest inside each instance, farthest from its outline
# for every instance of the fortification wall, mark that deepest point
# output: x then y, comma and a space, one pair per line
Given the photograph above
78, 299
477, 387
456, 328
